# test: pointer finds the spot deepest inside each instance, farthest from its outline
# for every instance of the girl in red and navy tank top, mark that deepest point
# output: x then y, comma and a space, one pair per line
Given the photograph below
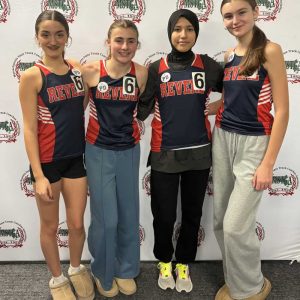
52, 98
246, 142
112, 161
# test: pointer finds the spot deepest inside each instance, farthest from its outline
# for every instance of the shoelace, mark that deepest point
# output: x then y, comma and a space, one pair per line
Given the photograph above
165, 269
182, 271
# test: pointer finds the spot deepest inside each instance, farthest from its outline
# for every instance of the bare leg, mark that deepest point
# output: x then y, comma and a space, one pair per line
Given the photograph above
75, 195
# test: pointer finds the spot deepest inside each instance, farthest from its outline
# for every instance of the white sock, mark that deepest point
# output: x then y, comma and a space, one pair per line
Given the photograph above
58, 280
73, 270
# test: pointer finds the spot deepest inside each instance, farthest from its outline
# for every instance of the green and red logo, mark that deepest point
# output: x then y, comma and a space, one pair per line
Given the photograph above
153, 57
62, 235
292, 63
127, 9
142, 234
24, 61
146, 183
26, 184
260, 231
268, 9
4, 10
12, 235
202, 8
69, 8
201, 234
9, 128
285, 182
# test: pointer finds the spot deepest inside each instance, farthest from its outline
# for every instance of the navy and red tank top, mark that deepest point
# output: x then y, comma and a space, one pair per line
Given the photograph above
247, 101
112, 123
60, 115
179, 119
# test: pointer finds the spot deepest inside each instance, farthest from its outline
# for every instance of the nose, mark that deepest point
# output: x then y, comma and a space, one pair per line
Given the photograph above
125, 45
52, 39
183, 33
235, 19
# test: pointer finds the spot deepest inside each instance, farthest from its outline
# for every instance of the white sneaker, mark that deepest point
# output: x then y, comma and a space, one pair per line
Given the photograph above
165, 279
183, 280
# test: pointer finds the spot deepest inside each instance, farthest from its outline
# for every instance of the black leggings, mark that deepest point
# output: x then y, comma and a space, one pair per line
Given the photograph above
164, 192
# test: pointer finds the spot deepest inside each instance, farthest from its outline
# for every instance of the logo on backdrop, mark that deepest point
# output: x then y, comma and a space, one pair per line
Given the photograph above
92, 56
292, 63
209, 188
23, 62
127, 9
268, 9
141, 126
285, 182
260, 231
142, 234
219, 57
4, 10
12, 235
26, 184
202, 8
153, 57
146, 183
69, 8
9, 128
62, 235
201, 234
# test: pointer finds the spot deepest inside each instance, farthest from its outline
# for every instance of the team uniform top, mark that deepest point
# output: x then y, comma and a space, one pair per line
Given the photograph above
247, 101
179, 120
112, 123
60, 115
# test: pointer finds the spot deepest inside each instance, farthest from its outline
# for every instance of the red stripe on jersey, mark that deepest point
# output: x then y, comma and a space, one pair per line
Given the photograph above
163, 66
136, 131
264, 106
156, 125
198, 62
103, 71
44, 69
46, 137
132, 69
93, 126
219, 115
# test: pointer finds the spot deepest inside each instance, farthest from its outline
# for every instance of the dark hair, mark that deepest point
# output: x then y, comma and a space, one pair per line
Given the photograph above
122, 24
255, 54
52, 15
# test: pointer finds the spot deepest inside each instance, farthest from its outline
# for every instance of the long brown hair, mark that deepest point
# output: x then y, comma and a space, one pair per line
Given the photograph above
255, 54
122, 24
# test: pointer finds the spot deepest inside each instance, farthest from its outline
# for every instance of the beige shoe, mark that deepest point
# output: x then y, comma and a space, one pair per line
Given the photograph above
62, 291
126, 286
83, 284
110, 293
223, 293
263, 294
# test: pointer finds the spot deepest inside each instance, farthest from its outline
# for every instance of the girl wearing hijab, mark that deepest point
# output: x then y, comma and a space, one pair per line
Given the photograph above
178, 87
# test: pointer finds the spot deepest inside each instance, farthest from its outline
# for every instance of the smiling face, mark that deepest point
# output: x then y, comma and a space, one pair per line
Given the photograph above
52, 37
239, 17
123, 43
183, 36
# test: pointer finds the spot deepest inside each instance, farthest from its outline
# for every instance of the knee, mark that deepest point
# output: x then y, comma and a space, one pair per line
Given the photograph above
75, 226
49, 228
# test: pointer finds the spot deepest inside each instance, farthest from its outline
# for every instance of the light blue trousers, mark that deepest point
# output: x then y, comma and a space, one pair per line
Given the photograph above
113, 236
235, 159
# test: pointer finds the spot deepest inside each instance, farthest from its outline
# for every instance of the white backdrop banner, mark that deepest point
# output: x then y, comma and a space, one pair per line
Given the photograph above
278, 223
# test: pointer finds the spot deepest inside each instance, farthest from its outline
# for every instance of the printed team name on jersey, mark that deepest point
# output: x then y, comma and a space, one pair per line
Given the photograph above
116, 93
63, 92
232, 73
177, 88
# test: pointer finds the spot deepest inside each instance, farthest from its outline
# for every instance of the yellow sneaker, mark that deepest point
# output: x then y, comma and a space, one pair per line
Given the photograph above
62, 291
165, 279
83, 284
183, 280
126, 286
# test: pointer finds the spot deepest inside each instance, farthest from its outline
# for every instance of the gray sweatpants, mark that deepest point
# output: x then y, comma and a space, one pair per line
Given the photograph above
235, 159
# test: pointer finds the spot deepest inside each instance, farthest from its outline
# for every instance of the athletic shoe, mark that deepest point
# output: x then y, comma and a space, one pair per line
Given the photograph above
183, 280
83, 284
126, 286
110, 293
61, 291
165, 279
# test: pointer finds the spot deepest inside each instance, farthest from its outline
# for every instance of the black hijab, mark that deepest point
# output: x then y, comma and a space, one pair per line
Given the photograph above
175, 55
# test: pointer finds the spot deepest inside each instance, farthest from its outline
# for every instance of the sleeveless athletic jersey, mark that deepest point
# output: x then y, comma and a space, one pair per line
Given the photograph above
179, 119
247, 101
60, 115
112, 123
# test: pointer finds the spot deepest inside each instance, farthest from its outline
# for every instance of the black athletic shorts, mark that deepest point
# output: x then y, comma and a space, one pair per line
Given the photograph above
64, 168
